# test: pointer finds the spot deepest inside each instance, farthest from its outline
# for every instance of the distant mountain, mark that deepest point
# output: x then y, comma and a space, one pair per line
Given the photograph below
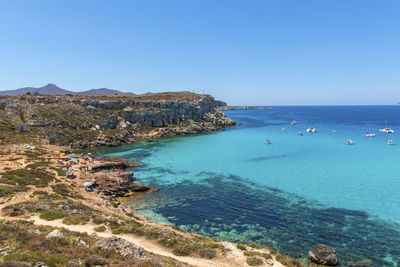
52, 89
103, 91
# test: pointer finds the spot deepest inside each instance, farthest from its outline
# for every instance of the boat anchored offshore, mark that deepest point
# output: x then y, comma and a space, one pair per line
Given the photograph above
267, 142
386, 130
300, 134
350, 142
369, 134
311, 130
390, 142
293, 122
283, 130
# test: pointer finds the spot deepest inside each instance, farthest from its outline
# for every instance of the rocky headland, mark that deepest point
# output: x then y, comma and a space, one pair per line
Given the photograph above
85, 121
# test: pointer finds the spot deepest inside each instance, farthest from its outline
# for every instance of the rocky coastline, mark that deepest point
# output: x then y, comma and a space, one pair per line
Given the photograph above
44, 203
92, 121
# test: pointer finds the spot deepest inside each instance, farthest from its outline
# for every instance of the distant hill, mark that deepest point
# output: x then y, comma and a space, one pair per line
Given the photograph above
103, 91
52, 89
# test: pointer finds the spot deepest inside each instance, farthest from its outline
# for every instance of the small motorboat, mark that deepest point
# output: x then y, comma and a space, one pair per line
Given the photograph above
311, 130
386, 130
350, 142
283, 130
267, 142
369, 134
293, 122
300, 134
390, 142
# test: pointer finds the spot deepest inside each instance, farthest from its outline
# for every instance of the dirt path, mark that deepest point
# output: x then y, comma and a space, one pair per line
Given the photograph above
234, 257
146, 244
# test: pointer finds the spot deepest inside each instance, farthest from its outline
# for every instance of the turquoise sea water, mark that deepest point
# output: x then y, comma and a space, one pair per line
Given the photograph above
292, 194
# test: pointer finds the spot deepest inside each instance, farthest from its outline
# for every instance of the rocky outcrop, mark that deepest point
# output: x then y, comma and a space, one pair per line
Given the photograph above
118, 183
89, 121
323, 254
108, 165
120, 246
220, 104
55, 234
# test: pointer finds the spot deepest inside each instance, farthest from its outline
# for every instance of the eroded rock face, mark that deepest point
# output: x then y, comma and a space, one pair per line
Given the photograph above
90, 121
120, 246
323, 254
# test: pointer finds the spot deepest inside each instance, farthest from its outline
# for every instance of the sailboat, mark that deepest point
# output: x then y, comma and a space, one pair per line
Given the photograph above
350, 142
386, 129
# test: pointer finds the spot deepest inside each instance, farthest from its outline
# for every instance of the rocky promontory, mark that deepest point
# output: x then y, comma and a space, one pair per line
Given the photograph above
81, 121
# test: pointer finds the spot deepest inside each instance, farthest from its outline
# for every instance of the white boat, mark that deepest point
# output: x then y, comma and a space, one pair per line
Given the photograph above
267, 142
350, 142
293, 122
369, 134
390, 142
300, 133
283, 130
386, 130
311, 130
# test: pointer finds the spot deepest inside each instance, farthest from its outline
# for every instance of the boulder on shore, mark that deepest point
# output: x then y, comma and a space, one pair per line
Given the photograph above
323, 254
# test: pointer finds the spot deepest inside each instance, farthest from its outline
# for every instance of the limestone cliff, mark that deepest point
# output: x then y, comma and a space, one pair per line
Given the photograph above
84, 121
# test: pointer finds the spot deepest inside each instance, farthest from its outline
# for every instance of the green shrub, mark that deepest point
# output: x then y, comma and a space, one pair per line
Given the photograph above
98, 219
168, 242
4, 191
254, 261
24, 177
183, 249
95, 260
100, 228
76, 219
255, 245
210, 243
208, 253
50, 215
241, 246
38, 164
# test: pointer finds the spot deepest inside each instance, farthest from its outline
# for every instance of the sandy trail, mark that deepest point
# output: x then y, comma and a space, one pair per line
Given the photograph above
233, 258
146, 244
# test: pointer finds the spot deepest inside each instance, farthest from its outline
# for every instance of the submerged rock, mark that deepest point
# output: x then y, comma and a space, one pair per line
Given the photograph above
323, 254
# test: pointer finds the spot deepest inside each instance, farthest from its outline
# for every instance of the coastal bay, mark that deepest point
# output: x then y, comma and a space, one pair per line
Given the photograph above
292, 194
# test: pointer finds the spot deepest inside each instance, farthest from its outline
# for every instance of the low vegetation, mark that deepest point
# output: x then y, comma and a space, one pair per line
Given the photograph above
25, 177
22, 243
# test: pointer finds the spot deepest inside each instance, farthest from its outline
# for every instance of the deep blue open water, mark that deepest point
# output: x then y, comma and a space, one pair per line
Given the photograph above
292, 194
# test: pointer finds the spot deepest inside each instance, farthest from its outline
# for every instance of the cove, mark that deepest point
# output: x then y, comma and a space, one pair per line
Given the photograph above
292, 194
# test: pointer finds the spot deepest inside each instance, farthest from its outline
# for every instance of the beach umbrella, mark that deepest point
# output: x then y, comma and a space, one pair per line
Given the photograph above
87, 184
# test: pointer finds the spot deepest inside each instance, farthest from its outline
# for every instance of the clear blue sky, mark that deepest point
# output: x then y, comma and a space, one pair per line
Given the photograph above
245, 52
